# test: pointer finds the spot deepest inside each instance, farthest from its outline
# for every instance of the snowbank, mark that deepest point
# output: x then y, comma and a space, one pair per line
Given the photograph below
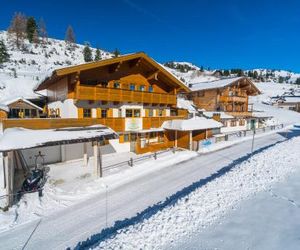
207, 204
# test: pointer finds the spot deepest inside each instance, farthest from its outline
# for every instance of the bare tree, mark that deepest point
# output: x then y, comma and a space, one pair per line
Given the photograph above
43, 30
70, 36
17, 28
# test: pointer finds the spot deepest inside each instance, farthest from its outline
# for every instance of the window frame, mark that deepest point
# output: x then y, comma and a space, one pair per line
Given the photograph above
87, 113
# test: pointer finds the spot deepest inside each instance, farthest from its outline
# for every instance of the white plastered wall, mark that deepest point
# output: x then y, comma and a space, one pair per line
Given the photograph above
66, 107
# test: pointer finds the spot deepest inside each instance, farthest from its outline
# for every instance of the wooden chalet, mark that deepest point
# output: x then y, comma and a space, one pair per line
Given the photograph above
230, 95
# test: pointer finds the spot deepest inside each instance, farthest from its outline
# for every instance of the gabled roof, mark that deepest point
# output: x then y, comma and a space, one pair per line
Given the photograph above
58, 73
12, 100
220, 84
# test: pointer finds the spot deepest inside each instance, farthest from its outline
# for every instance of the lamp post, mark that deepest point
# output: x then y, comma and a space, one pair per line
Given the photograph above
252, 146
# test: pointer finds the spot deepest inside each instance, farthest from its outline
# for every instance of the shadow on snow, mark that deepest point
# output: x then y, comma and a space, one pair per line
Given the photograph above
172, 200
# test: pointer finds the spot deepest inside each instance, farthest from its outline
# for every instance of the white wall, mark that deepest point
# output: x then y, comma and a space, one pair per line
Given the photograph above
120, 147
66, 107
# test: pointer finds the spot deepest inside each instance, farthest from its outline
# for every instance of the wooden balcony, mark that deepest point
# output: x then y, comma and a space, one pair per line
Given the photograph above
83, 92
117, 124
238, 99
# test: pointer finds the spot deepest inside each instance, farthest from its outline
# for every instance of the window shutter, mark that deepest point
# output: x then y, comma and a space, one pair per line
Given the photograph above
98, 112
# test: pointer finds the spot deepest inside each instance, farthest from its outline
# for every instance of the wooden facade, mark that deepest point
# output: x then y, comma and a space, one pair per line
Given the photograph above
232, 98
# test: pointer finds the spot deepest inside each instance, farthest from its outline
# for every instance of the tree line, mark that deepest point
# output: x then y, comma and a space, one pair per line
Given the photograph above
23, 28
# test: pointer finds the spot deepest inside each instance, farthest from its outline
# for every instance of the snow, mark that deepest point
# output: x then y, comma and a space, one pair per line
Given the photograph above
195, 123
4, 107
207, 204
21, 138
186, 104
223, 115
214, 84
35, 63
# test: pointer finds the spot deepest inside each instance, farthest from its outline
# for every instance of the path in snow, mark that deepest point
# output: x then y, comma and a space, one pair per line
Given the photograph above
76, 223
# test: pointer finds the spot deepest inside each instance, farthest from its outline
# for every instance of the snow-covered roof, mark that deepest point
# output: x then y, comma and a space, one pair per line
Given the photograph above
186, 104
214, 84
21, 138
11, 100
195, 123
291, 99
261, 115
223, 115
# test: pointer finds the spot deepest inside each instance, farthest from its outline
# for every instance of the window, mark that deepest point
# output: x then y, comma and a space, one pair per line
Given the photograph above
136, 112
160, 112
103, 113
242, 122
27, 113
142, 88
133, 137
128, 112
132, 86
152, 135
174, 112
116, 85
232, 123
150, 89
150, 112
87, 113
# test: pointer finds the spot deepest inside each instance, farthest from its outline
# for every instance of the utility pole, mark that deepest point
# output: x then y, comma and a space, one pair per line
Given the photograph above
252, 147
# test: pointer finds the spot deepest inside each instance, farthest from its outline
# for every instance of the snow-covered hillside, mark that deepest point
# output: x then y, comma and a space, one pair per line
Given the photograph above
29, 65
190, 73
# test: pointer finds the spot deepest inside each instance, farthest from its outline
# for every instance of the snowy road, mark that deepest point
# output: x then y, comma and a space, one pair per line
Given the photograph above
76, 223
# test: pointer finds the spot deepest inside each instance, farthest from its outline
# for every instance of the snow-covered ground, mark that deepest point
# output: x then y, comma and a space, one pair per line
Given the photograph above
72, 182
34, 63
209, 203
269, 220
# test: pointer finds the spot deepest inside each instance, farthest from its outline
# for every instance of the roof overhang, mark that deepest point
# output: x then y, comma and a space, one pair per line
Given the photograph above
60, 73
21, 138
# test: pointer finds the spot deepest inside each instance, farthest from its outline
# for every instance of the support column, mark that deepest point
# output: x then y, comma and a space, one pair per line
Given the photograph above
191, 140
205, 133
9, 180
85, 156
97, 160
176, 136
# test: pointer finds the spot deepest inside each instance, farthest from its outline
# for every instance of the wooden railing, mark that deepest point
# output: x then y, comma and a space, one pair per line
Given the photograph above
232, 99
83, 92
117, 124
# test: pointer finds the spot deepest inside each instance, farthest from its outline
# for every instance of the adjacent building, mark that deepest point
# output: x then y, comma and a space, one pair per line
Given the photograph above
230, 96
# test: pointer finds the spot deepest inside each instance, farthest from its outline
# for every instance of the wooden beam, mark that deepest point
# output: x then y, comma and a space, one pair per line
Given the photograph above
115, 67
153, 75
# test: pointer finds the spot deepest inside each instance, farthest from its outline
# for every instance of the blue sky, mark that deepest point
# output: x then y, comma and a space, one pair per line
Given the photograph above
213, 33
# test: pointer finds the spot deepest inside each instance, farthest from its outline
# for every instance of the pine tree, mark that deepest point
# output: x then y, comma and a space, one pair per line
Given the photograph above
255, 74
297, 81
17, 28
87, 53
4, 56
31, 28
202, 69
116, 53
70, 36
42, 31
98, 55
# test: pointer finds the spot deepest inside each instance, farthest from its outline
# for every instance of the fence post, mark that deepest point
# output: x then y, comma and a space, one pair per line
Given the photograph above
173, 150
155, 155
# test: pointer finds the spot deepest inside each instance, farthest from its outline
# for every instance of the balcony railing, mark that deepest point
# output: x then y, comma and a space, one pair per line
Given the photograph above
117, 124
83, 92
241, 99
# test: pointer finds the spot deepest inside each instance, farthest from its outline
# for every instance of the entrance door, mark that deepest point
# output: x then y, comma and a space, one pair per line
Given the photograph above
252, 124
